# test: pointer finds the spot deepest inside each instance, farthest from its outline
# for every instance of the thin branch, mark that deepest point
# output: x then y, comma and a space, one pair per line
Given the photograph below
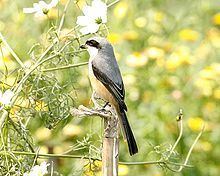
165, 160
180, 122
24, 137
64, 67
40, 61
191, 148
63, 17
155, 162
49, 155
113, 3
26, 76
11, 50
2, 119
45, 52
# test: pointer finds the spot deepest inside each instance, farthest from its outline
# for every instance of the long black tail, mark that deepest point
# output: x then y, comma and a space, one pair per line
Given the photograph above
132, 145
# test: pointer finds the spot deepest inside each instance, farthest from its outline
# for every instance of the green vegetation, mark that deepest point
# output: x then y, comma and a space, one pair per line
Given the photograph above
168, 53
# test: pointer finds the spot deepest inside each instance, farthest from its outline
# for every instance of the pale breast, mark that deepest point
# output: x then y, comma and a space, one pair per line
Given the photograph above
98, 87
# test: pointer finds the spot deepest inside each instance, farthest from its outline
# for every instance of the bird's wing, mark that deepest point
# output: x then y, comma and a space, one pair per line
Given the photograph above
113, 84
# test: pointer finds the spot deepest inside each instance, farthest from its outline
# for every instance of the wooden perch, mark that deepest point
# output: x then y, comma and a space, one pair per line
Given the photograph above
110, 150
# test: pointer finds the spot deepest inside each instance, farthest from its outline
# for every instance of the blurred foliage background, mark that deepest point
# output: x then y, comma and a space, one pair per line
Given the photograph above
168, 52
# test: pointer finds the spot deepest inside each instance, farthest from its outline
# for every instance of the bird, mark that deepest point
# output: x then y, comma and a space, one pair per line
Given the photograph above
107, 83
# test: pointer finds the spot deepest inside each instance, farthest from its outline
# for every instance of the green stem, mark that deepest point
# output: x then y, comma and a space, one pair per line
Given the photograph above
64, 67
191, 149
11, 51
180, 122
18, 88
26, 140
63, 17
49, 155
113, 3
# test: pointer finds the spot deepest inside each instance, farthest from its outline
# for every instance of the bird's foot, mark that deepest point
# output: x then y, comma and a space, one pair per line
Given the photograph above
103, 108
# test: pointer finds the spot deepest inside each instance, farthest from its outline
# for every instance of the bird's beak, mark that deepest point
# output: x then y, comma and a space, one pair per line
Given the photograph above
83, 47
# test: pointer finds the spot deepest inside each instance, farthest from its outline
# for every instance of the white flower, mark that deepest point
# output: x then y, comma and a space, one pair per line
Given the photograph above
94, 15
38, 170
41, 8
5, 98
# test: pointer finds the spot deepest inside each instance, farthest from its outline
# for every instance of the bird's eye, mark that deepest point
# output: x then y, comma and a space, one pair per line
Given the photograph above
93, 43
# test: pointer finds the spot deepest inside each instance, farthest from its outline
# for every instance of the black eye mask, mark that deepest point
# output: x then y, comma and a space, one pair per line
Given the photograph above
93, 43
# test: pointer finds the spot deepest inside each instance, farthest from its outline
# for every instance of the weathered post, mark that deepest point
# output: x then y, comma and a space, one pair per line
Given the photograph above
110, 150
110, 147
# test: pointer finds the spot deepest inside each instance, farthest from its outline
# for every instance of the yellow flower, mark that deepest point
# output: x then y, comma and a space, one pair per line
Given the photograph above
41, 106
140, 22
130, 35
158, 16
123, 170
93, 169
13, 114
195, 123
136, 60
214, 37
114, 38
43, 134
53, 13
211, 72
71, 130
205, 86
173, 62
216, 68
216, 19
154, 52
98, 164
216, 93
188, 35
121, 9
179, 57
207, 73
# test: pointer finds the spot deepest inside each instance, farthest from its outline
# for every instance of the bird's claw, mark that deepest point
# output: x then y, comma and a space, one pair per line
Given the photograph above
100, 109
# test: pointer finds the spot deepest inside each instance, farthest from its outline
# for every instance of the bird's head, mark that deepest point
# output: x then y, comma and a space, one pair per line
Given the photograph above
95, 45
